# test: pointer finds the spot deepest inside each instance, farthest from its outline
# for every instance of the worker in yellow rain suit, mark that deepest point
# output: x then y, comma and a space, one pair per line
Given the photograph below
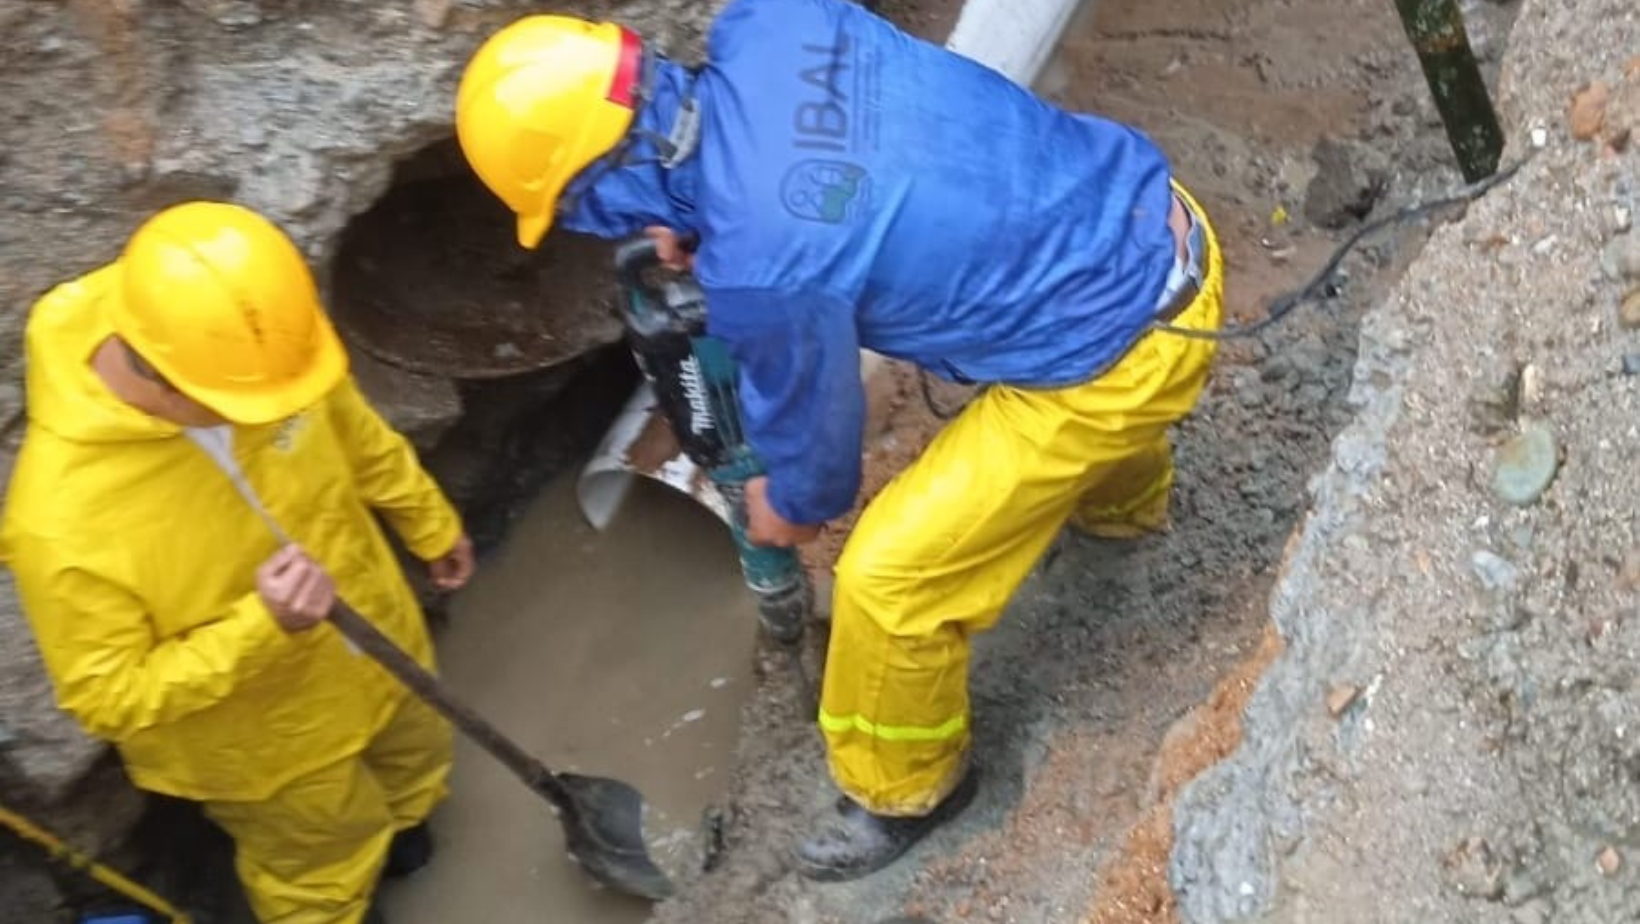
171, 622
849, 187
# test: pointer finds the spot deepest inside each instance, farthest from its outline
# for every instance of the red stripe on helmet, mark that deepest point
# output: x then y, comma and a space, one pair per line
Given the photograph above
623, 88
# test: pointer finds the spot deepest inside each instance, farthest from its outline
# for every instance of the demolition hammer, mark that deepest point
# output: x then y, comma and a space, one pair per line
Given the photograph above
694, 380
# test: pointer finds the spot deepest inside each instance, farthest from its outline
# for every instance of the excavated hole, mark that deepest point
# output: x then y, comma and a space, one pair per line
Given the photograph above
625, 652
432, 280
1098, 657
519, 433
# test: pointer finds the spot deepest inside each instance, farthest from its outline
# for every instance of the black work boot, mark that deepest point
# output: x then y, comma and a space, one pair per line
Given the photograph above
785, 616
411, 849
857, 843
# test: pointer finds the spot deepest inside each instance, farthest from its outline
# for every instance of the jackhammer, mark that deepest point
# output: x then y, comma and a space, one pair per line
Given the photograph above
695, 383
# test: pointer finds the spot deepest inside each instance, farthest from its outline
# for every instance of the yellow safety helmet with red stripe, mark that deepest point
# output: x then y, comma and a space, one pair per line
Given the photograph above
540, 100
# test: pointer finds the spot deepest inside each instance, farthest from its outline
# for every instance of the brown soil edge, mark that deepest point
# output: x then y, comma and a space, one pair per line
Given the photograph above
1133, 886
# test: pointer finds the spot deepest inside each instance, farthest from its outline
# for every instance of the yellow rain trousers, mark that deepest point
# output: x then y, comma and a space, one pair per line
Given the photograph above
135, 560
938, 554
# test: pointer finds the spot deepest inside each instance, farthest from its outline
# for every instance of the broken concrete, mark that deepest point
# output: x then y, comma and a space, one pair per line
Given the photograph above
1485, 774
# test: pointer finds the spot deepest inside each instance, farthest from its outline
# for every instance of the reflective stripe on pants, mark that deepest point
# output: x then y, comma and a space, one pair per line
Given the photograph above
941, 550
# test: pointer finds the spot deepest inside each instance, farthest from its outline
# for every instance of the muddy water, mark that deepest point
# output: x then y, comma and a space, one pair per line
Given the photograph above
625, 653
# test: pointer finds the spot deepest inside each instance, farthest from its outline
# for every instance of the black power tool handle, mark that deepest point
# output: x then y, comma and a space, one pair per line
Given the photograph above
633, 259
636, 256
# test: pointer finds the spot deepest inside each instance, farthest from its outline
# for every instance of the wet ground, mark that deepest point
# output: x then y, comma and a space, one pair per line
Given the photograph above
625, 653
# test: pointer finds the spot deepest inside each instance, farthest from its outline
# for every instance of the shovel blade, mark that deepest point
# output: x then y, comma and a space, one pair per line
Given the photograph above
603, 830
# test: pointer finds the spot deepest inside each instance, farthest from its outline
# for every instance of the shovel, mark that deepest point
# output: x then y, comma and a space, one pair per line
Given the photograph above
602, 818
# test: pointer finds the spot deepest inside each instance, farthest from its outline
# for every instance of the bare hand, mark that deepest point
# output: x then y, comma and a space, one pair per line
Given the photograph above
451, 570
667, 246
766, 527
295, 589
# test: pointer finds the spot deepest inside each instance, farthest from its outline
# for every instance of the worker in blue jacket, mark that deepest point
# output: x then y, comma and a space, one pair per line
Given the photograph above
853, 187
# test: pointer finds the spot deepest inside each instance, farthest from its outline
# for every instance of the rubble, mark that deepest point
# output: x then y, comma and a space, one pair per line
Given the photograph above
1495, 767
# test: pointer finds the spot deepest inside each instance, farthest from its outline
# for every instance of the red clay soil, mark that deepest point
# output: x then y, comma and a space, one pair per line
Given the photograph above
1134, 887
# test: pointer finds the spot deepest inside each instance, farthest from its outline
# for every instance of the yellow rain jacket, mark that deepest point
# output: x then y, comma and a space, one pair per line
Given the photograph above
136, 560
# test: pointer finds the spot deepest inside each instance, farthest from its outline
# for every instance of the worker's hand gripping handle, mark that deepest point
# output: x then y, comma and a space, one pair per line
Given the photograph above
636, 262
664, 313
695, 382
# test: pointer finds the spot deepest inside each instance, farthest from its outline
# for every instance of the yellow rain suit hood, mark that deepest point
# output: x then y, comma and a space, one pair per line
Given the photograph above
135, 560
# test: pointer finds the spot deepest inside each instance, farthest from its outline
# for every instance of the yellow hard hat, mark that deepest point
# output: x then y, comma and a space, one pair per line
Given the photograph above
220, 302
542, 99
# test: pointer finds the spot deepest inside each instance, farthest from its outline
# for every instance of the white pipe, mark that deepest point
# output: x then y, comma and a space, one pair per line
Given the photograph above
641, 443
1015, 38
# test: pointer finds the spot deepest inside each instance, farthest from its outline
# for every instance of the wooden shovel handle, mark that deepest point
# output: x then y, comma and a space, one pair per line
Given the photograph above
420, 681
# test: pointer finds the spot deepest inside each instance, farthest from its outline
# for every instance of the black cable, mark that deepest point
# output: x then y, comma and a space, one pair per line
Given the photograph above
1283, 305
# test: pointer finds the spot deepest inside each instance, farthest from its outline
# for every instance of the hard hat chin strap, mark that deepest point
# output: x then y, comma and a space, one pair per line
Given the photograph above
674, 147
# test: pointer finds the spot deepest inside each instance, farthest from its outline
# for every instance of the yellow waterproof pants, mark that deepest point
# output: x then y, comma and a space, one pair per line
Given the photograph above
941, 550
313, 852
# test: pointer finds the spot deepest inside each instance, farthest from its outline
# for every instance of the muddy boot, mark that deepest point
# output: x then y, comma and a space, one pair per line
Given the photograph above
411, 849
785, 620
857, 843
785, 612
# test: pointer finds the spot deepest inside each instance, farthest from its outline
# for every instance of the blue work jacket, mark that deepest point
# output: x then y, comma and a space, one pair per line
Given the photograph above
855, 187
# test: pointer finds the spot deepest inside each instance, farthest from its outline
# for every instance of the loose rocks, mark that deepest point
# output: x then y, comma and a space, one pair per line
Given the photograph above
1525, 465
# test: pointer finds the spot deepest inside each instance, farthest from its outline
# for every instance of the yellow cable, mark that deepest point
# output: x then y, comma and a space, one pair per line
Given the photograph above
83, 862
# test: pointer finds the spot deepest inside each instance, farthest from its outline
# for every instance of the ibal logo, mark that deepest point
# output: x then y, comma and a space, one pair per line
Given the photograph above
701, 421
821, 121
827, 191
824, 189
